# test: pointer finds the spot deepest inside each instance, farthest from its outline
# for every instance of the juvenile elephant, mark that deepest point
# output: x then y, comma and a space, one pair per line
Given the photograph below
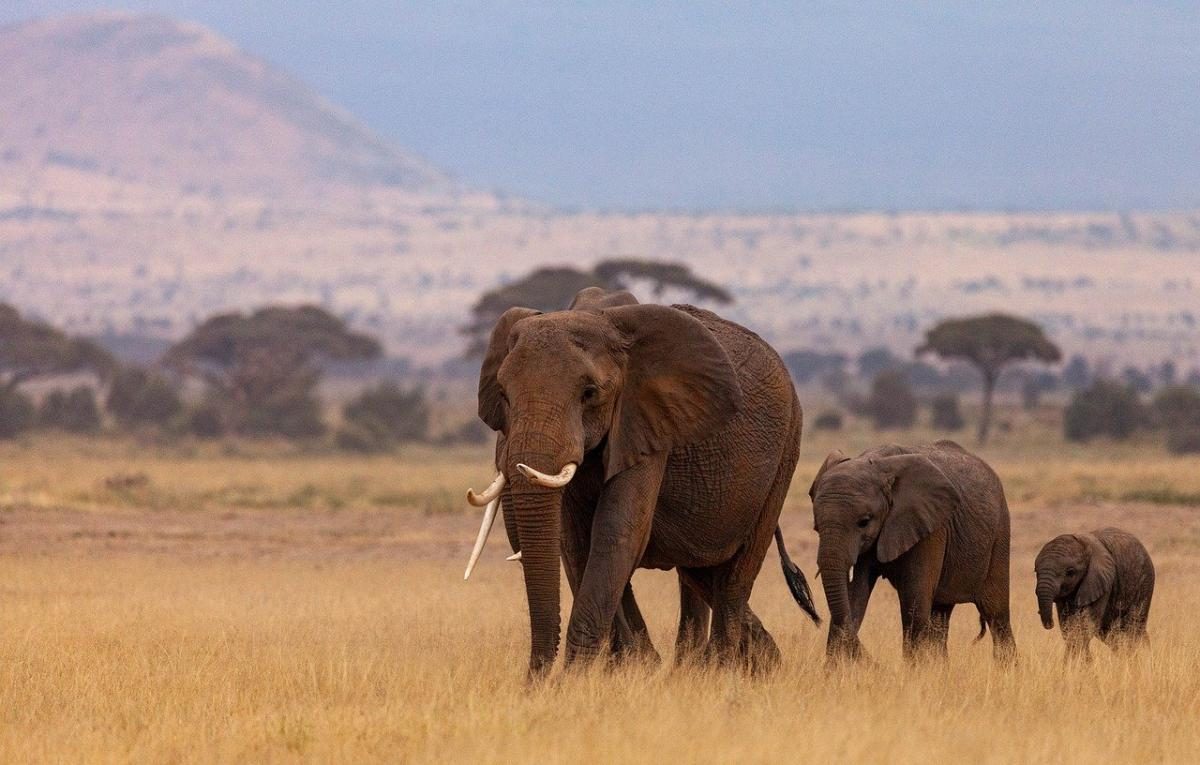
1101, 583
639, 436
930, 519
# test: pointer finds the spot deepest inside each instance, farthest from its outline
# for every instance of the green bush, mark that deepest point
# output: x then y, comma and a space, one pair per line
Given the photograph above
946, 414
355, 438
204, 421
473, 431
1106, 408
74, 411
892, 403
390, 412
17, 413
139, 396
828, 420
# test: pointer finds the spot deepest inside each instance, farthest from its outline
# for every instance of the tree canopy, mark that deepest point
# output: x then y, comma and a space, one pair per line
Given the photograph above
989, 343
261, 368
30, 349
552, 288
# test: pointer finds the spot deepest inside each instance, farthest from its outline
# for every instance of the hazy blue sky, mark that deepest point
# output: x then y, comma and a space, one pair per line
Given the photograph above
1048, 104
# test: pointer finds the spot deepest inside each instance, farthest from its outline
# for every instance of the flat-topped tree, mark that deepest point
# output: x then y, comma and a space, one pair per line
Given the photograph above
551, 288
30, 349
261, 368
990, 342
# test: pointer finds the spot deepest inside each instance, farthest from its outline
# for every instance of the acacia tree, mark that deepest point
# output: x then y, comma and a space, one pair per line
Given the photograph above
261, 369
989, 343
31, 349
552, 288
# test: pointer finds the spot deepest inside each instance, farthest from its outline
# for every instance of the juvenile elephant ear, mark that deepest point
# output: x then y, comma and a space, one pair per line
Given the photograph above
1101, 571
491, 402
680, 386
835, 457
922, 501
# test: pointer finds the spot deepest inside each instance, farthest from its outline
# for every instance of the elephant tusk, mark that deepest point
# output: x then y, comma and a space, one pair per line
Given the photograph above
549, 481
488, 494
515, 556
489, 517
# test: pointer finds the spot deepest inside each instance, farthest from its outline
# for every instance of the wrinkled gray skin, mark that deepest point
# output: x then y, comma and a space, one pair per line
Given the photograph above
1101, 584
930, 519
686, 429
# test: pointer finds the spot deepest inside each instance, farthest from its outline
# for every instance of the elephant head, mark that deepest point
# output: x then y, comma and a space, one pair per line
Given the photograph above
1072, 566
608, 380
885, 503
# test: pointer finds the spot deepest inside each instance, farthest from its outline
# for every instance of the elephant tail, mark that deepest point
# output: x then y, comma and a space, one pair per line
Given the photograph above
982, 628
795, 580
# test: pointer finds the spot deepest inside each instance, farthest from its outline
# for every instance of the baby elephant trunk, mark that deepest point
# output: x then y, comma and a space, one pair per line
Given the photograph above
1046, 590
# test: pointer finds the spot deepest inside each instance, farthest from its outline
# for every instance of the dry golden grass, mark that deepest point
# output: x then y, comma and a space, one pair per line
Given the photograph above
242, 625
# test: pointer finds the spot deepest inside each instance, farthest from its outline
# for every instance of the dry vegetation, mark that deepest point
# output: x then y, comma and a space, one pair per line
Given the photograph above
270, 606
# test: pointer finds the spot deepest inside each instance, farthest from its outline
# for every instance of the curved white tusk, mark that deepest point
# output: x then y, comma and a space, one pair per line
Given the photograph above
488, 494
489, 517
514, 556
549, 481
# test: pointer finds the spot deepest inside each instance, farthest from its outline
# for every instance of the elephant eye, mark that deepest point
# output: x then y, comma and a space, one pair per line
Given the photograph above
590, 392
1070, 572
864, 521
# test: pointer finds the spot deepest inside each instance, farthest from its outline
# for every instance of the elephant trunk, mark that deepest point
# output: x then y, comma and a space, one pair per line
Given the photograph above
1046, 589
537, 509
537, 512
835, 564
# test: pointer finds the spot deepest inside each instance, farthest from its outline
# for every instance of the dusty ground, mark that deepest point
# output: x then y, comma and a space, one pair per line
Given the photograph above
250, 607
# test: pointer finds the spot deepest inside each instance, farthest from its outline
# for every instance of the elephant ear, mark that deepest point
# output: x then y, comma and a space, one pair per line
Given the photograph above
491, 402
1101, 571
679, 388
835, 457
922, 501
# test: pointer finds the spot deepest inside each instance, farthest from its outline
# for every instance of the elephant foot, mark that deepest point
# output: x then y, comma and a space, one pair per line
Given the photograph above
641, 651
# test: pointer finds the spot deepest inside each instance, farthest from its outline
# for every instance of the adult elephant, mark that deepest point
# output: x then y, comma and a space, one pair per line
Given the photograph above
639, 436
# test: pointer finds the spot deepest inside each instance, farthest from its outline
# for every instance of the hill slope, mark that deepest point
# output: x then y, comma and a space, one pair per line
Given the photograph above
147, 99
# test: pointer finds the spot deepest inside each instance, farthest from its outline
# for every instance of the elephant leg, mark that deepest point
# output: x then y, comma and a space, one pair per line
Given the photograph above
619, 534
860, 593
758, 649
994, 605
631, 636
1077, 631
916, 582
939, 627
694, 613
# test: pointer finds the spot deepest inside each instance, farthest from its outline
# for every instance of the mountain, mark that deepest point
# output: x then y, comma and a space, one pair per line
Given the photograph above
117, 98
152, 174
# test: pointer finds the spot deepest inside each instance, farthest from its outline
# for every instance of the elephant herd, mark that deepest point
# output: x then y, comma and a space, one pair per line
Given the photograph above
646, 436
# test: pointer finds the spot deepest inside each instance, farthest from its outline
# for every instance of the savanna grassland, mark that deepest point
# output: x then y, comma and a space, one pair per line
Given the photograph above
234, 603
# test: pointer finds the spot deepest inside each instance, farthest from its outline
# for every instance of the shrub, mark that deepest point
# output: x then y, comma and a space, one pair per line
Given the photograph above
892, 403
1184, 439
1177, 409
946, 414
139, 396
353, 437
17, 413
204, 421
74, 411
392, 413
473, 431
828, 420
1106, 408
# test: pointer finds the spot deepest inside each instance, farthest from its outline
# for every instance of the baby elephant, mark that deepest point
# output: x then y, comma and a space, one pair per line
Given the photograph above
933, 521
1101, 582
